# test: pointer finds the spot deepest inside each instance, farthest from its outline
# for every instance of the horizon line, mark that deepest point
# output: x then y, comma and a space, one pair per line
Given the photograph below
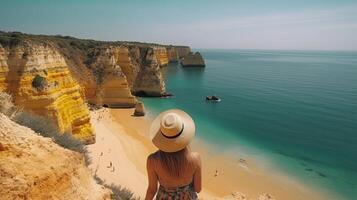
168, 44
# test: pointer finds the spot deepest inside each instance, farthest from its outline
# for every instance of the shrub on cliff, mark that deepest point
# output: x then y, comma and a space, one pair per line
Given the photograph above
41, 125
10, 40
119, 193
46, 128
39, 82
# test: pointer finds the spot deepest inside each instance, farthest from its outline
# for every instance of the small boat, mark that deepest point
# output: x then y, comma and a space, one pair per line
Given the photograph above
213, 98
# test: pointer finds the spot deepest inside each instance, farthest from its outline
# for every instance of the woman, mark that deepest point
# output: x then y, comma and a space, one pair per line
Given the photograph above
173, 166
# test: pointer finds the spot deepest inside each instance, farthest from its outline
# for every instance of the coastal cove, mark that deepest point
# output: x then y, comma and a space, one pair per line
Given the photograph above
122, 140
178, 100
290, 111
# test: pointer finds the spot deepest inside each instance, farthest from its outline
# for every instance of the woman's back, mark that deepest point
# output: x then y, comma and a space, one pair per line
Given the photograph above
171, 174
174, 167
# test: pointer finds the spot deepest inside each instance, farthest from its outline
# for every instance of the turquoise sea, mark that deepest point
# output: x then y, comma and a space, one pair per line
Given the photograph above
296, 110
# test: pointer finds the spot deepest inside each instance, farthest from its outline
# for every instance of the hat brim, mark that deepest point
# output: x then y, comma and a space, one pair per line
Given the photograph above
172, 144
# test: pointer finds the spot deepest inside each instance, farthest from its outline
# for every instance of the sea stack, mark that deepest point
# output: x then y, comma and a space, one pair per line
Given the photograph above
193, 60
139, 109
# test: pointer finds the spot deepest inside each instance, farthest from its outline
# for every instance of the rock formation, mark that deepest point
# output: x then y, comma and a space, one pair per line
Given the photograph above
139, 109
111, 87
149, 81
161, 55
79, 56
193, 60
182, 50
135, 72
172, 54
128, 60
34, 167
39, 80
141, 73
3, 69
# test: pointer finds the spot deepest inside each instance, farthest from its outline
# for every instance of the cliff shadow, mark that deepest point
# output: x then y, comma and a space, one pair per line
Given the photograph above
13, 77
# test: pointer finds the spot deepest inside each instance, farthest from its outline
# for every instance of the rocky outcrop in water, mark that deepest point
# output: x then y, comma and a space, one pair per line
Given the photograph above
34, 167
193, 60
39, 80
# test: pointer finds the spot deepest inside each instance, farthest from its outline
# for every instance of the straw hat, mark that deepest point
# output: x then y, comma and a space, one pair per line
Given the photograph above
172, 130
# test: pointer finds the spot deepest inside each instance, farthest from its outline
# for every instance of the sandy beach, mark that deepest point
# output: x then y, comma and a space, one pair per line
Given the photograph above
122, 145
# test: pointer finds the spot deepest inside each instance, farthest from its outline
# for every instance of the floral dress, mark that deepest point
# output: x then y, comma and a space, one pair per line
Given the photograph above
181, 193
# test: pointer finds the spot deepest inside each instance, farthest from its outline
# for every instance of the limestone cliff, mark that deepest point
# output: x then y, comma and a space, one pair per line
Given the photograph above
3, 69
80, 54
149, 81
34, 167
128, 60
182, 50
39, 80
193, 60
172, 54
111, 87
161, 55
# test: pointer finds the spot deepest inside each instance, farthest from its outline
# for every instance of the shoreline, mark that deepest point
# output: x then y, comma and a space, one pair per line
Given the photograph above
127, 137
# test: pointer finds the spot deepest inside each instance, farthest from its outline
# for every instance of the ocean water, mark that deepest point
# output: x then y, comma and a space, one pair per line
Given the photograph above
297, 110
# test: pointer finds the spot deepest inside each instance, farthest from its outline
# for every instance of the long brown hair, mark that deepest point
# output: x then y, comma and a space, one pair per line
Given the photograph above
175, 163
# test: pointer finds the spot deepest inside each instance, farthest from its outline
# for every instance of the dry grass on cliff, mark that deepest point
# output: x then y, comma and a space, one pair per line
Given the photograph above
42, 126
7, 107
46, 128
119, 193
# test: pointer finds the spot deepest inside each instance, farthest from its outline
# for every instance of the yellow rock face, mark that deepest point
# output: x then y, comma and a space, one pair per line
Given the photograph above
112, 88
3, 69
40, 81
161, 55
115, 92
34, 167
149, 80
128, 66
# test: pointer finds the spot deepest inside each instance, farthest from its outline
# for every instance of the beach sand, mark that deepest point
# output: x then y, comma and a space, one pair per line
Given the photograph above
122, 139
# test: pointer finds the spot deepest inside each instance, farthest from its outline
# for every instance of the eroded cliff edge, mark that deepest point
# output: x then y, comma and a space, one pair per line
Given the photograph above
87, 58
39, 80
55, 76
34, 167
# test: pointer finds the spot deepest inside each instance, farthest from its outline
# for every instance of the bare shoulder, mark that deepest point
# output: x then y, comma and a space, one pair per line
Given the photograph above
196, 157
152, 157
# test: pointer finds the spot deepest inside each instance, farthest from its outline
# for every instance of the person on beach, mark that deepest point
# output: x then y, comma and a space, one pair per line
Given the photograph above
173, 167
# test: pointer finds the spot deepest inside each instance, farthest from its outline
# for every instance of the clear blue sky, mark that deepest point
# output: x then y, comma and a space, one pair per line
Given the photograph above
255, 24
